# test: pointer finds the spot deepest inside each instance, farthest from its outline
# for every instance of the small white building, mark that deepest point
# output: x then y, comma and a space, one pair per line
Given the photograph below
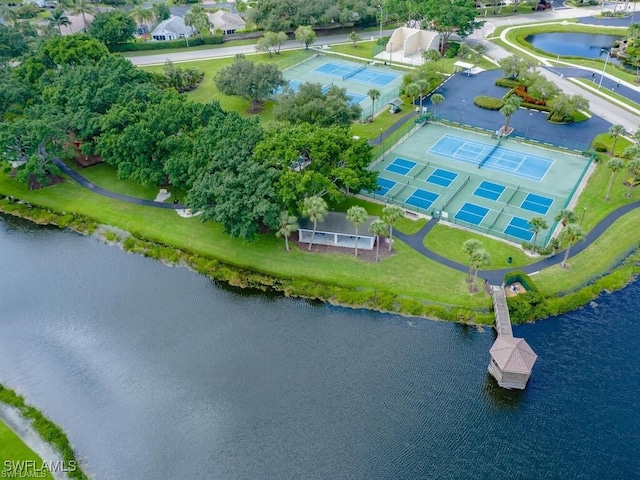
336, 231
226, 22
172, 29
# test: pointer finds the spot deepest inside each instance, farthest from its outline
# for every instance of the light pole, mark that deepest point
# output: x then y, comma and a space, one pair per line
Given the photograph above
380, 140
583, 214
604, 68
380, 7
461, 112
526, 132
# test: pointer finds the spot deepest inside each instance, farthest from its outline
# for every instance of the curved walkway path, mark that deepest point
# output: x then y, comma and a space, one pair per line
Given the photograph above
415, 241
107, 193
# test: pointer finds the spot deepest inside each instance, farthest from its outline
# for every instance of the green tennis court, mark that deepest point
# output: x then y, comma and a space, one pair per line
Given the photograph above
356, 77
435, 171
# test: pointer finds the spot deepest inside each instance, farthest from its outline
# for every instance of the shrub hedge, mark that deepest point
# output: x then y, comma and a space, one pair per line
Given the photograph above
600, 147
507, 83
182, 43
489, 103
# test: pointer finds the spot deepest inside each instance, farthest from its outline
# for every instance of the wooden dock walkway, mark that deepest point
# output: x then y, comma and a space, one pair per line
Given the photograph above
503, 321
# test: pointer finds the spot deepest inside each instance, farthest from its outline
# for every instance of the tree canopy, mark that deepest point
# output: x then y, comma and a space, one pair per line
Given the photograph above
113, 27
311, 105
250, 80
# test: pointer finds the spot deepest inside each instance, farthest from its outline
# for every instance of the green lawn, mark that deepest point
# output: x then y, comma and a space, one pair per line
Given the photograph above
447, 242
13, 449
207, 91
621, 237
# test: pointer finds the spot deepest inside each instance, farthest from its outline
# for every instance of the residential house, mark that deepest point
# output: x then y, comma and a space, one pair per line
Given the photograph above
172, 29
227, 22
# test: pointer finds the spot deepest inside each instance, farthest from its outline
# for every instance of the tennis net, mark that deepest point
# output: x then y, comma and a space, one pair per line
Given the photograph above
351, 74
484, 160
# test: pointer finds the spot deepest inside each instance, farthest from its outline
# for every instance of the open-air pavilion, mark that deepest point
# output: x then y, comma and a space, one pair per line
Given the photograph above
336, 231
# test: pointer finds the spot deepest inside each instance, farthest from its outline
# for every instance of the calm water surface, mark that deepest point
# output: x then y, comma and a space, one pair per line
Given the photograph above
586, 45
156, 372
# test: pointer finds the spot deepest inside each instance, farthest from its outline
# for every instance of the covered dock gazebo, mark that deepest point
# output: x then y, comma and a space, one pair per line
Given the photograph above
511, 363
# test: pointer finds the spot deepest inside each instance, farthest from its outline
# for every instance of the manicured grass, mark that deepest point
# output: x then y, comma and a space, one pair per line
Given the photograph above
598, 258
402, 274
363, 49
207, 91
13, 449
382, 122
592, 198
106, 176
447, 242
621, 143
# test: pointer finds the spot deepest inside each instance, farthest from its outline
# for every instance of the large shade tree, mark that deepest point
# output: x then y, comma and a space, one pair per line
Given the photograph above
312, 104
112, 27
633, 167
249, 80
455, 16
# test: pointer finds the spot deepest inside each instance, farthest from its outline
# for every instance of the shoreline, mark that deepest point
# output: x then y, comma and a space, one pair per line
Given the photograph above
238, 277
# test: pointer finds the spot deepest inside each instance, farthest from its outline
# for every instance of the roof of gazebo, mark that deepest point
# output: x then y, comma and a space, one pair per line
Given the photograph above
513, 355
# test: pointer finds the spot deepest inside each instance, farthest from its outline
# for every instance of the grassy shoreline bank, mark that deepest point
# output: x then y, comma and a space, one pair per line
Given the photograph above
48, 431
364, 294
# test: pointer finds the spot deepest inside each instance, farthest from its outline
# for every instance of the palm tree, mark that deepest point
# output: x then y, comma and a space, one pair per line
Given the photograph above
566, 216
614, 165
57, 18
286, 226
470, 247
571, 234
315, 208
479, 258
83, 7
510, 107
437, 99
357, 216
160, 12
241, 7
373, 94
390, 215
431, 55
423, 85
615, 131
141, 15
633, 166
412, 91
537, 224
379, 229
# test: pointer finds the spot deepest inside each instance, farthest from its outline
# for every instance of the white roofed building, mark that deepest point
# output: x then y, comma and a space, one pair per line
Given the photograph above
172, 29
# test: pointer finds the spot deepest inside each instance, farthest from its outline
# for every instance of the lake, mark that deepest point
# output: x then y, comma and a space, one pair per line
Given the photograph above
158, 372
586, 45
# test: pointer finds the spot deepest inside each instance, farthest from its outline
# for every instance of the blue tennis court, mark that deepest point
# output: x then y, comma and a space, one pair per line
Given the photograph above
384, 185
356, 98
489, 190
359, 74
421, 198
536, 203
472, 213
442, 177
500, 159
400, 166
519, 228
